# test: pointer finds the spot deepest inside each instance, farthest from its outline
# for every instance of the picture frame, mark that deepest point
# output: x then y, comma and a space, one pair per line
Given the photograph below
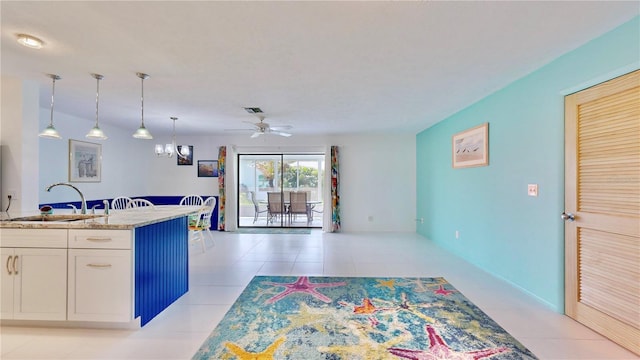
470, 148
207, 168
85, 161
185, 160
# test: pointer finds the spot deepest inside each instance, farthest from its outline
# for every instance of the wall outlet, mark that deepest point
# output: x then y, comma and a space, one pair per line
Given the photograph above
532, 189
13, 194
457, 234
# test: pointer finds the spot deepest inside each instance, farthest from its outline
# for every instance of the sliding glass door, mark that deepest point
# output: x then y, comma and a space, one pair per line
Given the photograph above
266, 183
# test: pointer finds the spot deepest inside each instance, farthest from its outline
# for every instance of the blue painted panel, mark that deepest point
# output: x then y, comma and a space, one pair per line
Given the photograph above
157, 200
161, 266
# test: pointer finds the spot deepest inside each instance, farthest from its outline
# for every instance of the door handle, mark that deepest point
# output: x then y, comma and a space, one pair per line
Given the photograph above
568, 217
15, 260
7, 265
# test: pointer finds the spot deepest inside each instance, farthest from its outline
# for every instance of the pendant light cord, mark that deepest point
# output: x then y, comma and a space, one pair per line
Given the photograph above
53, 93
142, 101
98, 77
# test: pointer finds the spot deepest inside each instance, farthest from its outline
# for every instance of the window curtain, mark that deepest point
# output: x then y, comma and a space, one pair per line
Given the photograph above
222, 159
335, 188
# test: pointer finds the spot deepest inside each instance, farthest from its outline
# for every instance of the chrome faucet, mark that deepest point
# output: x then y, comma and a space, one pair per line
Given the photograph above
106, 207
83, 209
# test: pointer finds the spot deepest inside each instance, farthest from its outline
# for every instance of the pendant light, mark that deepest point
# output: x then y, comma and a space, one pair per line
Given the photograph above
96, 132
142, 132
169, 149
50, 131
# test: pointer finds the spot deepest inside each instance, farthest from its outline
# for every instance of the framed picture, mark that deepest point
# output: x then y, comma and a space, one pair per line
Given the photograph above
207, 168
85, 161
471, 147
185, 160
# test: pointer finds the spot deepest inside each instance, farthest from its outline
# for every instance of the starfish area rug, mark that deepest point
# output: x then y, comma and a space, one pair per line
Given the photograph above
332, 318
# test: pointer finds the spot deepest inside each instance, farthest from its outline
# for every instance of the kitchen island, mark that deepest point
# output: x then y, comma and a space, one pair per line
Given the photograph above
79, 270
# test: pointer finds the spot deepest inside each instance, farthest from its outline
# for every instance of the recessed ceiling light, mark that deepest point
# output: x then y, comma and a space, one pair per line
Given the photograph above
30, 41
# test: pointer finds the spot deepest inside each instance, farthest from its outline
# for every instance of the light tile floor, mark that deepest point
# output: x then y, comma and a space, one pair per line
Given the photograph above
219, 276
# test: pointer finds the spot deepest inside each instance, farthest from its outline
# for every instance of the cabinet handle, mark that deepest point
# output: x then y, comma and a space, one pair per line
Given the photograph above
98, 239
8, 268
15, 268
99, 265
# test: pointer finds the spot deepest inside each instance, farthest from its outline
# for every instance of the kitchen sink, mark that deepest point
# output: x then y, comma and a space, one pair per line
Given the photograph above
58, 218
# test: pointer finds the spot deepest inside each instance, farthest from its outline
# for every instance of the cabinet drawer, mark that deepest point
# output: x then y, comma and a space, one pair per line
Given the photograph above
100, 285
28, 238
100, 239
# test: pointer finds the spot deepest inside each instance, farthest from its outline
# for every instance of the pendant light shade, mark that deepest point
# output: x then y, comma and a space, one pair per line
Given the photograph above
142, 132
169, 149
50, 131
96, 132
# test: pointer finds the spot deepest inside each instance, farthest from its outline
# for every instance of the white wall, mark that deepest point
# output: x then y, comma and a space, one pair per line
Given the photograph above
124, 167
18, 124
378, 182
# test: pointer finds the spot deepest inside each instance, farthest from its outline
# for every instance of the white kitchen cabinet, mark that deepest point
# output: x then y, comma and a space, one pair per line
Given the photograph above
34, 274
100, 275
6, 292
34, 284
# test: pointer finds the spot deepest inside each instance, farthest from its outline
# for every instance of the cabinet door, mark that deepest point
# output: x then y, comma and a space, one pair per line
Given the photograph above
6, 300
100, 285
40, 284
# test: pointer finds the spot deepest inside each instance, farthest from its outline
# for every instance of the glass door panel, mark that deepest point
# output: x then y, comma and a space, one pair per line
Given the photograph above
261, 174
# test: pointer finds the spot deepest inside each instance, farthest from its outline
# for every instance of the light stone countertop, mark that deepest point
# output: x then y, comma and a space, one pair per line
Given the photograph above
117, 219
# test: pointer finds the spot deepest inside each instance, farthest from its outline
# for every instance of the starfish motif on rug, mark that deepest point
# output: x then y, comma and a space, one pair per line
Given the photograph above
367, 307
242, 354
405, 305
303, 285
306, 316
442, 291
387, 283
439, 350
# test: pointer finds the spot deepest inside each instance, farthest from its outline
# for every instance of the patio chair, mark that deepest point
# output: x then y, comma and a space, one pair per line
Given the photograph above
256, 206
275, 206
298, 206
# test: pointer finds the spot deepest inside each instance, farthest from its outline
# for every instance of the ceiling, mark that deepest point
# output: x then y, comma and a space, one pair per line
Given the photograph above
321, 67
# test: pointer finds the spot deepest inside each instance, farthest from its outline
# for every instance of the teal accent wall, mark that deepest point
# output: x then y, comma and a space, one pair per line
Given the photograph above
502, 230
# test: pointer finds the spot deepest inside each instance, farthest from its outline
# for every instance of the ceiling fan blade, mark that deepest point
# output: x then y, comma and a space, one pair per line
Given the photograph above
281, 127
281, 133
256, 134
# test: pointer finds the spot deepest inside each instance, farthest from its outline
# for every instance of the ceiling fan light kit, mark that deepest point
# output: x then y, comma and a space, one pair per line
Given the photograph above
261, 127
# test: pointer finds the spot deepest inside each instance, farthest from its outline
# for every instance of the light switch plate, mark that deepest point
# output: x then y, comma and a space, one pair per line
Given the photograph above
532, 189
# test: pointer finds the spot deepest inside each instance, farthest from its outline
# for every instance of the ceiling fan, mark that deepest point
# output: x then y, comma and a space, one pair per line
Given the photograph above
262, 128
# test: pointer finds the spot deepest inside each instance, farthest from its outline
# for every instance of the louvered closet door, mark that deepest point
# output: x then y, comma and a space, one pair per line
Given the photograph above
602, 192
